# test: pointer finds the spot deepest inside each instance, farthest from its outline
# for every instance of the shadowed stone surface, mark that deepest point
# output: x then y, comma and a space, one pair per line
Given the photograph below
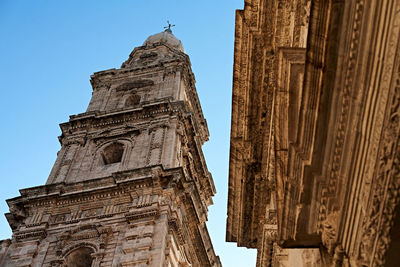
314, 156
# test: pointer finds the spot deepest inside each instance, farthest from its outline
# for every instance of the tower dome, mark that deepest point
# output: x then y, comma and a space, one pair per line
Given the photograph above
165, 37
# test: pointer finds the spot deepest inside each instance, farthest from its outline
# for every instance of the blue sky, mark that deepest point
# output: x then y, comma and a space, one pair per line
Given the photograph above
48, 51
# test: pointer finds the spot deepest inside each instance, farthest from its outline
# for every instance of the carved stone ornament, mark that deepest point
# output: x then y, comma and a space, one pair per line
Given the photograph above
94, 237
135, 85
385, 194
329, 231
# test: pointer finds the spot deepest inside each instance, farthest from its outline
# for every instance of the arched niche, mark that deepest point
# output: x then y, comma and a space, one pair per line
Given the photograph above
80, 257
112, 153
132, 100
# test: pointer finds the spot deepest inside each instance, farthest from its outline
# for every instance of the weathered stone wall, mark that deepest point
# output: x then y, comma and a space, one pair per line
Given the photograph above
123, 228
145, 144
315, 128
136, 88
130, 186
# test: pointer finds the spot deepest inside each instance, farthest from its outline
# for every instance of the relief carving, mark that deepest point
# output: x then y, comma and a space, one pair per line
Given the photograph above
343, 116
155, 146
148, 55
135, 85
329, 231
90, 236
386, 185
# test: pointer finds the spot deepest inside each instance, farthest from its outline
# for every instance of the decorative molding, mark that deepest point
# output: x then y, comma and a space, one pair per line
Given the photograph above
135, 85
176, 227
140, 213
386, 186
31, 234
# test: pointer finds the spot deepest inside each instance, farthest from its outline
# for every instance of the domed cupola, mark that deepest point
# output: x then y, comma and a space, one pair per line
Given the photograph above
165, 37
158, 48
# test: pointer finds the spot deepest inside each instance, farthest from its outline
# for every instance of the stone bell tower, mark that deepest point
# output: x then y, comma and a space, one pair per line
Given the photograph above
130, 186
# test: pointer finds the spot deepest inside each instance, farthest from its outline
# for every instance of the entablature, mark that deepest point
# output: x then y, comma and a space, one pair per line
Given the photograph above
120, 185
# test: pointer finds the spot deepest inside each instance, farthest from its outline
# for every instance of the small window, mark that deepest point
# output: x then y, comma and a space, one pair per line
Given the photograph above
80, 258
113, 153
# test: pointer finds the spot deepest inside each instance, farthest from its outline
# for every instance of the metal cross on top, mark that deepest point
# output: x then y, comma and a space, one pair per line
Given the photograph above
168, 28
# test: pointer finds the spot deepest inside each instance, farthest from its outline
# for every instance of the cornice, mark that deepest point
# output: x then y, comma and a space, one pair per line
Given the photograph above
300, 155
120, 116
105, 77
262, 28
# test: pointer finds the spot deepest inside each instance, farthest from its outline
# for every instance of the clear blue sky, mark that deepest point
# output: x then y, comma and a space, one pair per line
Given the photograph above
48, 51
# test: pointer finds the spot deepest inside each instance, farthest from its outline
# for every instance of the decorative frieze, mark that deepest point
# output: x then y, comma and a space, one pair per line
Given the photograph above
31, 234
135, 85
384, 197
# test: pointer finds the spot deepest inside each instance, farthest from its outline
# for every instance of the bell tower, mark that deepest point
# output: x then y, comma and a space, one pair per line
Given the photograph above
130, 186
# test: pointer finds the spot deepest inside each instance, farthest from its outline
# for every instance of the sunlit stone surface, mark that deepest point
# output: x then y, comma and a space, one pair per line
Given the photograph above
315, 136
130, 186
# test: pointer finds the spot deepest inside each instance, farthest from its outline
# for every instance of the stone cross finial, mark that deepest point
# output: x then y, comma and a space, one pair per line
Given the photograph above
168, 28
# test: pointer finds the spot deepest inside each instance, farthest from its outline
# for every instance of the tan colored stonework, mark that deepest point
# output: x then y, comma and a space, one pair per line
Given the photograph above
130, 186
315, 130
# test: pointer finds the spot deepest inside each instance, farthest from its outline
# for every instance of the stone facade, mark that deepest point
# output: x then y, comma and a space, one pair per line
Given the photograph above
130, 186
315, 134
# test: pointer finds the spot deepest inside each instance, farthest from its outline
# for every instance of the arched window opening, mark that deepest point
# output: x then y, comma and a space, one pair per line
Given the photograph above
80, 258
132, 100
113, 153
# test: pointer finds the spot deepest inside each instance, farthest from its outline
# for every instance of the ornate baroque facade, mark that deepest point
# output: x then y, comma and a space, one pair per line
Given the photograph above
130, 186
315, 137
